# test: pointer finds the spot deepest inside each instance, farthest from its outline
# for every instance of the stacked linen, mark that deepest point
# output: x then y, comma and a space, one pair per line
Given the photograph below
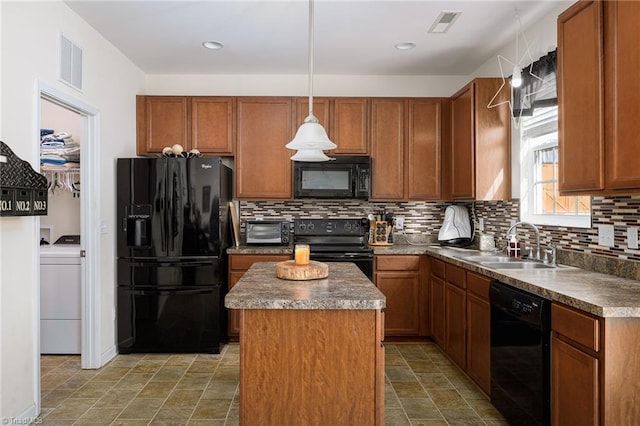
58, 150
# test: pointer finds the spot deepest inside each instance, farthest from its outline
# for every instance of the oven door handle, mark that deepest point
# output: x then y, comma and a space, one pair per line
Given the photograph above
342, 256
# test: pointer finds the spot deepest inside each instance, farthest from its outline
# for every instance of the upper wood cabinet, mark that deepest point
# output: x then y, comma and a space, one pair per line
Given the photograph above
406, 148
598, 98
203, 122
481, 142
346, 121
349, 125
387, 148
580, 98
263, 165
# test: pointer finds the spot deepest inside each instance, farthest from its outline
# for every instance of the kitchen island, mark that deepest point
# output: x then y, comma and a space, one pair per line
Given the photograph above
310, 351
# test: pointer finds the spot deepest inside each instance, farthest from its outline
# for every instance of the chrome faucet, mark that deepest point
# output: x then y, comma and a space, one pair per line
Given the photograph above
550, 255
535, 228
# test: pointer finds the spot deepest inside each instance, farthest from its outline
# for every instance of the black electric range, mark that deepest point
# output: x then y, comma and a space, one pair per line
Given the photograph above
336, 240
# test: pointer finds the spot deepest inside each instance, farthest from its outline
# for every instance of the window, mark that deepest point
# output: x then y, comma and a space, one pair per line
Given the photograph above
541, 202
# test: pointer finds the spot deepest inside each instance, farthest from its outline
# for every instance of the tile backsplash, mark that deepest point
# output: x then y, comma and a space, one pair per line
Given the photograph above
425, 218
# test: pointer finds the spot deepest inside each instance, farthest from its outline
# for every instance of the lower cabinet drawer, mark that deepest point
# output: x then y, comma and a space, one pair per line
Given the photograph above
580, 327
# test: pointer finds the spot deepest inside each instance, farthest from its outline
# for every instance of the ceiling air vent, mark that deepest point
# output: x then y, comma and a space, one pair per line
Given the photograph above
70, 63
444, 21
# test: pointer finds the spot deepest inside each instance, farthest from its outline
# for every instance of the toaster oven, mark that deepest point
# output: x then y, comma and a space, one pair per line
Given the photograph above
268, 232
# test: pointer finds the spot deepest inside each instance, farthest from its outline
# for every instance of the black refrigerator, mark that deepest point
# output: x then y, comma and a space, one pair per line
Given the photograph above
172, 220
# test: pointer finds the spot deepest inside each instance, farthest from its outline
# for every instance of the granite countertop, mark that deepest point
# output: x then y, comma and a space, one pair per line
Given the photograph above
600, 294
244, 249
346, 287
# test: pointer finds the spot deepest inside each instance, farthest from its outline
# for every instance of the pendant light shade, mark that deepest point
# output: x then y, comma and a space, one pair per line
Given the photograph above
311, 135
311, 138
310, 155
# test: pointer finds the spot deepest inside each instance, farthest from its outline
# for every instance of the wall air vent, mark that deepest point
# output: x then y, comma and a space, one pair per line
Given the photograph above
444, 21
70, 63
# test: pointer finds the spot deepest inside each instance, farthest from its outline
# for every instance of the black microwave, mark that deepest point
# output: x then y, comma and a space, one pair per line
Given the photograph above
342, 177
268, 232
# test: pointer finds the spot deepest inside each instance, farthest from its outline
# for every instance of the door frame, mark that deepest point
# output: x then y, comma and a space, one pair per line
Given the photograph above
90, 297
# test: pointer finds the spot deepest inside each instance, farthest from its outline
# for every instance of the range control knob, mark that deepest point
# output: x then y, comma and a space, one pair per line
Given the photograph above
311, 226
302, 226
347, 226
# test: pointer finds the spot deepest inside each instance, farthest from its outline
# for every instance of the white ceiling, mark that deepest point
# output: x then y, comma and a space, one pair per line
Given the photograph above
271, 37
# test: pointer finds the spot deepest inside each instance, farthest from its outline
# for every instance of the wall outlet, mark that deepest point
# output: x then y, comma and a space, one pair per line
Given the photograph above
399, 223
104, 227
480, 224
632, 237
605, 235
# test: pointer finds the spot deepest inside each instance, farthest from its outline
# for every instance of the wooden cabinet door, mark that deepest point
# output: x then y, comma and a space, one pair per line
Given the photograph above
161, 121
622, 89
574, 386
456, 323
387, 148
580, 98
479, 341
402, 313
320, 110
437, 310
423, 153
213, 124
349, 125
462, 163
263, 165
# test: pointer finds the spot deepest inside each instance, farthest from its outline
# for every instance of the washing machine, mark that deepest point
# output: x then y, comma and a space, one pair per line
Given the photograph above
60, 297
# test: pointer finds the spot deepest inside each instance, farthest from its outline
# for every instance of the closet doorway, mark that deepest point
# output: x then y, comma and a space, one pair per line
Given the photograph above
78, 196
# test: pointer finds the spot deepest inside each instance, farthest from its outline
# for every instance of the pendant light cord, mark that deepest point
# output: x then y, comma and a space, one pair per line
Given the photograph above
311, 118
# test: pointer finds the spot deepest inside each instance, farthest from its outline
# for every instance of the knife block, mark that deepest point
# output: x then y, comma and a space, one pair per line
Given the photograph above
380, 233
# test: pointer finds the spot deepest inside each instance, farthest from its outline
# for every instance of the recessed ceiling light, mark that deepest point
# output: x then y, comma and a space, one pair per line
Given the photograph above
406, 45
212, 45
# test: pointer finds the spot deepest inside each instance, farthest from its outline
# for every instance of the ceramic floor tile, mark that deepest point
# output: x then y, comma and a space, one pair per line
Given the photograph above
423, 366
98, 417
420, 408
220, 390
156, 390
400, 374
462, 417
434, 381
212, 409
116, 398
169, 374
202, 389
194, 381
183, 398
71, 409
396, 417
142, 408
172, 416
447, 398
409, 390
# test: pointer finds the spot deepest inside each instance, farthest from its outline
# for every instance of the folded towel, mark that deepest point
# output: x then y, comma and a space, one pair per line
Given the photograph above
44, 132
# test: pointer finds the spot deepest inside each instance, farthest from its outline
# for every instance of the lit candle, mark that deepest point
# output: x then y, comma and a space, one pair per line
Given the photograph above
302, 254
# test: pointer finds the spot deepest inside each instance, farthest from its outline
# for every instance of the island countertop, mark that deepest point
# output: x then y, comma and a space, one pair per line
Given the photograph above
346, 287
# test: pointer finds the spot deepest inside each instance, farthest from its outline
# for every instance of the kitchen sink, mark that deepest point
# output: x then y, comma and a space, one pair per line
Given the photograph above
488, 258
504, 262
517, 264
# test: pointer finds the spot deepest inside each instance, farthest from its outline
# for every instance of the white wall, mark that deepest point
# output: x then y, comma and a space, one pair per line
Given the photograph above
297, 85
30, 34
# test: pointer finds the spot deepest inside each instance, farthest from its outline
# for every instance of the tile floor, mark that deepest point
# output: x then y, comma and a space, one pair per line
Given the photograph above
423, 388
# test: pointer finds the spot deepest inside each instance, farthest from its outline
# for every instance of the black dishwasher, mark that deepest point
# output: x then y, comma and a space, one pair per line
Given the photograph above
520, 355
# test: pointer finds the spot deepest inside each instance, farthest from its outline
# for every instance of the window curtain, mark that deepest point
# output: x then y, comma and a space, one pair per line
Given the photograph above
539, 88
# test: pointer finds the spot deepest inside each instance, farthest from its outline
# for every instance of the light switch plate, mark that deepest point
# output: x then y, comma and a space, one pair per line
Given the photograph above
605, 235
480, 224
632, 237
399, 223
104, 227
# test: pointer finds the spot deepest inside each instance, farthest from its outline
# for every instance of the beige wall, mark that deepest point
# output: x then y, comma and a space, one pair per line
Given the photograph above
29, 33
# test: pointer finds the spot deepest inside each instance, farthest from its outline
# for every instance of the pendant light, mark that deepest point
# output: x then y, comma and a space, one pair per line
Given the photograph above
311, 138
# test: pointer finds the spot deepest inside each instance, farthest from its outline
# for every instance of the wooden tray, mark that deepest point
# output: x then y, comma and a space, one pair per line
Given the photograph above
288, 270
